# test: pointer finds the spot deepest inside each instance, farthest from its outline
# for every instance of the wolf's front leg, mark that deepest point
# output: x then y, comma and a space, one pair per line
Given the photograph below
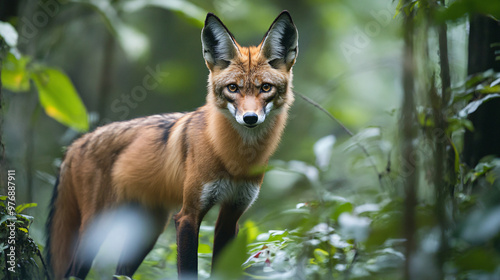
187, 226
226, 228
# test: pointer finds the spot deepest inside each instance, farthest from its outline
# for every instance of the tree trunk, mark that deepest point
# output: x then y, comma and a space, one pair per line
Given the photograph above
105, 83
408, 128
484, 37
2, 147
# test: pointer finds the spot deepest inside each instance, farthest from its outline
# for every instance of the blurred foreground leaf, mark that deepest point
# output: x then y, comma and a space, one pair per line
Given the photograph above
15, 76
8, 33
472, 107
321, 255
478, 259
185, 8
460, 8
60, 99
229, 263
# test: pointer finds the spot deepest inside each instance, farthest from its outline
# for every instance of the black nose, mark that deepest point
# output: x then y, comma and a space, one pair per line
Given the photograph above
250, 118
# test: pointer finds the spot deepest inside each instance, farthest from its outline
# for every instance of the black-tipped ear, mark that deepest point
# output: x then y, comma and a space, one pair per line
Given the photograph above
280, 44
219, 47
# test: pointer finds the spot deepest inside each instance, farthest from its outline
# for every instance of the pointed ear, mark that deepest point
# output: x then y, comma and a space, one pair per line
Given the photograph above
280, 44
219, 47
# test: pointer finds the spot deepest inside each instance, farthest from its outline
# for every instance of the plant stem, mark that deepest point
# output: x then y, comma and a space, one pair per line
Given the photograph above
365, 151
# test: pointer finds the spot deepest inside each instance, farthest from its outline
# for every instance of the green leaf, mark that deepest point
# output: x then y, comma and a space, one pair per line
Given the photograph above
406, 7
457, 123
232, 257
321, 255
185, 8
457, 158
476, 79
15, 75
121, 277
277, 235
5, 218
60, 99
483, 168
22, 207
490, 89
341, 208
460, 8
477, 259
472, 107
384, 226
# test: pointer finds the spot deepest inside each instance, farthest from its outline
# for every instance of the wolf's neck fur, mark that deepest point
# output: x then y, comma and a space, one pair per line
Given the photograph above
240, 148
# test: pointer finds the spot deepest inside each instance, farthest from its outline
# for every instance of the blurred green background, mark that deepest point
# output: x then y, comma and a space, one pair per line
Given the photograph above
321, 189
349, 63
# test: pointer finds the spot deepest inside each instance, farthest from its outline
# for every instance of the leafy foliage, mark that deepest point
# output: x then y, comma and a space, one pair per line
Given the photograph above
56, 92
338, 205
15, 241
59, 98
14, 74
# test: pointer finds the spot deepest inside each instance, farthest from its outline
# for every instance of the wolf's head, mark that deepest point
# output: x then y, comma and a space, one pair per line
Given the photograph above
250, 84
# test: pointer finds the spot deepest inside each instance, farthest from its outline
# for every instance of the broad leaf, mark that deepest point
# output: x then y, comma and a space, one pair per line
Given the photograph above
60, 99
472, 107
22, 207
460, 8
187, 9
232, 257
477, 259
15, 75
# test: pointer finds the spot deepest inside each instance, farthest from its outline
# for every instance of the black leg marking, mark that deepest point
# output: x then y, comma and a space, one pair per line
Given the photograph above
226, 228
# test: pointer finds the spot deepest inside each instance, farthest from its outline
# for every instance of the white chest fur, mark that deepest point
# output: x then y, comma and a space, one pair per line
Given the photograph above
240, 193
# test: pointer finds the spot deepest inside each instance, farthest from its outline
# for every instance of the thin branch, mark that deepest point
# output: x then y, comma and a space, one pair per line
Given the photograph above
45, 268
365, 151
315, 104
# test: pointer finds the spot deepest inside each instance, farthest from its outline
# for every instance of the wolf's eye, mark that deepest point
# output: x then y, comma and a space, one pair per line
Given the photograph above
266, 87
232, 88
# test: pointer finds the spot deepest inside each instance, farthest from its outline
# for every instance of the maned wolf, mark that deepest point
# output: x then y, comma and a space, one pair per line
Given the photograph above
154, 165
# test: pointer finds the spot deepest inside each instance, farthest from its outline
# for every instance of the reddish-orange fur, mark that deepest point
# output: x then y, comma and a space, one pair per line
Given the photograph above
132, 161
